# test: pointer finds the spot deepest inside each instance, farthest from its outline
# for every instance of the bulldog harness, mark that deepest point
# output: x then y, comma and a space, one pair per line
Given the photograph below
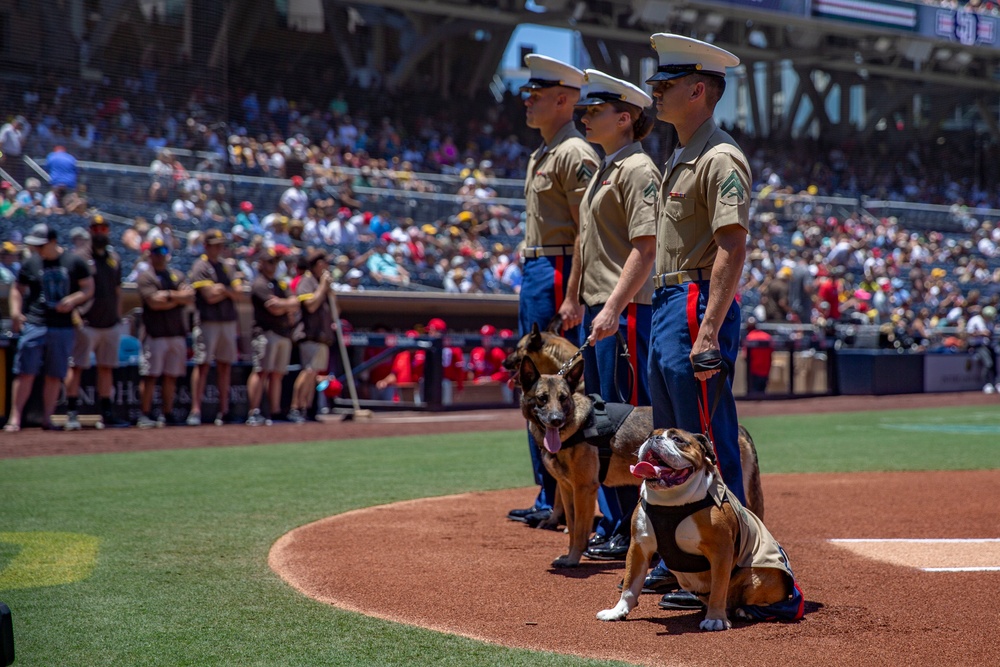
603, 422
665, 519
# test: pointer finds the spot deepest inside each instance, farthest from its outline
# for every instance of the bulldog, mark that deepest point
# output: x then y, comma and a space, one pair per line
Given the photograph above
717, 549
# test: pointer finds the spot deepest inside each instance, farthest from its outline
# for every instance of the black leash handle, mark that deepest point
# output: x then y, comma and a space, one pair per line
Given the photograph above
711, 361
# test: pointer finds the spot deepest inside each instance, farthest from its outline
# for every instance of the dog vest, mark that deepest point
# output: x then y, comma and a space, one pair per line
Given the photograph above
604, 420
665, 519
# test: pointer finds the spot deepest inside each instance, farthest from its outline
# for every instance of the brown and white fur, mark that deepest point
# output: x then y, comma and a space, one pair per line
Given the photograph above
547, 349
556, 407
678, 468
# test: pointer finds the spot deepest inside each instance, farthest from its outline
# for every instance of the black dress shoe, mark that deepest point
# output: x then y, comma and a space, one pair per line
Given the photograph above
680, 599
660, 580
537, 517
614, 549
597, 540
519, 515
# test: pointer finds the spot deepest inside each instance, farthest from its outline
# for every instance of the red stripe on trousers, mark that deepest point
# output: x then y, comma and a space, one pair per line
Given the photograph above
633, 357
703, 407
557, 279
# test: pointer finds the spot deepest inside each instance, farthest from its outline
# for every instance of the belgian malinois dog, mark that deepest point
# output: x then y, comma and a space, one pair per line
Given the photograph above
559, 414
547, 349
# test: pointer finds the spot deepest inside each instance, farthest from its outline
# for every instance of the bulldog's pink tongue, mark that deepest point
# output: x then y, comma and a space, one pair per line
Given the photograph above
552, 441
644, 470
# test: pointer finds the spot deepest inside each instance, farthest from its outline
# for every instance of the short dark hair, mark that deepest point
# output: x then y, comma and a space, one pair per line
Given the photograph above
715, 86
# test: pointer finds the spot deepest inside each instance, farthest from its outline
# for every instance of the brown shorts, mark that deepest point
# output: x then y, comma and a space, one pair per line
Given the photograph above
271, 353
103, 343
214, 341
314, 356
163, 356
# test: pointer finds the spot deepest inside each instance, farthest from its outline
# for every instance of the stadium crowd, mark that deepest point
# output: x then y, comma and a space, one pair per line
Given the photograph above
924, 281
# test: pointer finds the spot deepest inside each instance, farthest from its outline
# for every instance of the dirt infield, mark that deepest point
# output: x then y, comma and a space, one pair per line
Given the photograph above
460, 567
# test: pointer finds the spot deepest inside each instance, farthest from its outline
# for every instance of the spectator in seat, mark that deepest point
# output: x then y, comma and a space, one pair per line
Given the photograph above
294, 201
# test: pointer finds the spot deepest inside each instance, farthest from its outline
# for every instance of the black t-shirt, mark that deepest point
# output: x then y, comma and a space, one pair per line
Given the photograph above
161, 323
205, 273
262, 291
48, 282
102, 311
317, 325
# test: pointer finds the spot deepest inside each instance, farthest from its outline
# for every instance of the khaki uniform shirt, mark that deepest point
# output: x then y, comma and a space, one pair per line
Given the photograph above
554, 185
708, 188
757, 547
619, 205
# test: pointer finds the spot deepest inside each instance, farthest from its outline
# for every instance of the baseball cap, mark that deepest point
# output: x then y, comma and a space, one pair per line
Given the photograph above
315, 256
79, 233
246, 206
8, 247
487, 330
355, 274
297, 181
40, 234
268, 255
158, 247
989, 312
437, 324
98, 221
214, 236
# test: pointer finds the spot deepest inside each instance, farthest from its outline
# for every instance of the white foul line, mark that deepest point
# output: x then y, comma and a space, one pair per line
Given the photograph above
928, 540
960, 569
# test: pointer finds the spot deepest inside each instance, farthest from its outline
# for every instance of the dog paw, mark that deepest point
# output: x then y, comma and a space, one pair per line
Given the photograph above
565, 561
617, 613
742, 615
715, 624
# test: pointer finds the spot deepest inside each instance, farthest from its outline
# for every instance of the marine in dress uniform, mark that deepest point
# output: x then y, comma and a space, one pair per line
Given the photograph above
558, 173
617, 251
701, 227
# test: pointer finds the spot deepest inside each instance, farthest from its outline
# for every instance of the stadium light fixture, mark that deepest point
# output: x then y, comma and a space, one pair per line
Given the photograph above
963, 58
757, 38
713, 21
883, 44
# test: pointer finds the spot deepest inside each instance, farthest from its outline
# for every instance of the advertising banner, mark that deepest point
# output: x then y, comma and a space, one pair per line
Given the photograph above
966, 28
886, 13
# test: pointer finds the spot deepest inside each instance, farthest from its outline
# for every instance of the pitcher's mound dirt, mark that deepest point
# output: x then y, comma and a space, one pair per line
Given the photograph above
455, 564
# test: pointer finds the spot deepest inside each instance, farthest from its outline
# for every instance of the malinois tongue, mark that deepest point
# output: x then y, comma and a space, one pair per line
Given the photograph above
552, 441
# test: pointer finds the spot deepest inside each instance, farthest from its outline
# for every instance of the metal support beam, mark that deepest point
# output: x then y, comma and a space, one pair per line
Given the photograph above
818, 99
425, 45
753, 100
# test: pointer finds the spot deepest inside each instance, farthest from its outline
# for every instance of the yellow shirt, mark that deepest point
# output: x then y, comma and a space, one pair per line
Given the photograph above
557, 176
706, 189
617, 208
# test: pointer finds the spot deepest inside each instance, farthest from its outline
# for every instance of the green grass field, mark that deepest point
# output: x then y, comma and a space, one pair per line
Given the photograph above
181, 537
